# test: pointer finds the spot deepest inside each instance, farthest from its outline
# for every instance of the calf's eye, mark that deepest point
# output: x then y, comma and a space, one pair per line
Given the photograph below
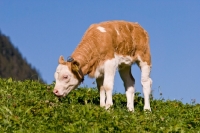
65, 76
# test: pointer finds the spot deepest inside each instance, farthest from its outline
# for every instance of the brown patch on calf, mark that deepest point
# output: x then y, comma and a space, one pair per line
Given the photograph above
75, 67
96, 46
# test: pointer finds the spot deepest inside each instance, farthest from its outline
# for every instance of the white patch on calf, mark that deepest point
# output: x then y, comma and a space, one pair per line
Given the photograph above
110, 67
146, 82
130, 91
129, 82
107, 70
123, 59
117, 31
99, 72
65, 81
119, 59
102, 29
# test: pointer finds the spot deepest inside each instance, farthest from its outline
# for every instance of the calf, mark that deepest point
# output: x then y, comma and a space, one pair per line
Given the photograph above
104, 48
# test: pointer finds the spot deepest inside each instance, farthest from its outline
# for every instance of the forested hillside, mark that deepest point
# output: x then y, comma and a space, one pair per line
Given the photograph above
12, 64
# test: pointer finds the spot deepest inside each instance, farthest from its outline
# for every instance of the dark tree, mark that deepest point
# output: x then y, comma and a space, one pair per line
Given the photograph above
12, 64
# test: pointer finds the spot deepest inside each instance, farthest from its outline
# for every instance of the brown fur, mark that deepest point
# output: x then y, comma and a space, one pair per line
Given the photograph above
74, 66
96, 46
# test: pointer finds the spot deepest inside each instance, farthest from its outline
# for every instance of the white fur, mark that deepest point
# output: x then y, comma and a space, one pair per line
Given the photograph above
99, 71
107, 70
102, 29
130, 91
101, 91
123, 59
129, 82
127, 28
146, 82
109, 74
119, 59
117, 32
106, 73
64, 85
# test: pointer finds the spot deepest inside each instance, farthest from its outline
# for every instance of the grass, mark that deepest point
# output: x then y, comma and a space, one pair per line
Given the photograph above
30, 106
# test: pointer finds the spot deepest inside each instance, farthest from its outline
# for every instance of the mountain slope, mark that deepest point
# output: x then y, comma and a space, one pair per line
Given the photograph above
12, 64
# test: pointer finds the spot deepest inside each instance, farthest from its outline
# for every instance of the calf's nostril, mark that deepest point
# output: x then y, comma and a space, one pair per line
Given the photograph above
55, 91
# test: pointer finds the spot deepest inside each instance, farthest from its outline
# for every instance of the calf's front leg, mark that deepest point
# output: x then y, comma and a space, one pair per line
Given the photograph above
109, 74
101, 91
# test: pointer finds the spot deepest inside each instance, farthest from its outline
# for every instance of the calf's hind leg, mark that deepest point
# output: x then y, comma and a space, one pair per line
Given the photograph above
129, 83
146, 83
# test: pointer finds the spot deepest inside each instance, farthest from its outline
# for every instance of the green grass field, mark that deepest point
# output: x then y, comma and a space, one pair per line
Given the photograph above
31, 107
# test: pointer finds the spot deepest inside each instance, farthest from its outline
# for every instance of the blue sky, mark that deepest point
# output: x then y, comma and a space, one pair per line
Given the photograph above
44, 30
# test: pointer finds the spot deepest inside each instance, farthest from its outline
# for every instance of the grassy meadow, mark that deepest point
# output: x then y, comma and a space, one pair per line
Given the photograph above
30, 107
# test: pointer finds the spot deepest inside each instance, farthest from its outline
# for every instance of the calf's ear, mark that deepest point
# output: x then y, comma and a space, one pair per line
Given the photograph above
61, 60
75, 66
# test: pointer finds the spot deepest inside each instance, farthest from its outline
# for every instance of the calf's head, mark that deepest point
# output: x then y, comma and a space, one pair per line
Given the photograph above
68, 76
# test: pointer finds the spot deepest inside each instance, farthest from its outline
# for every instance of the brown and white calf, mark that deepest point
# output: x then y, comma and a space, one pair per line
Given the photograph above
104, 48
